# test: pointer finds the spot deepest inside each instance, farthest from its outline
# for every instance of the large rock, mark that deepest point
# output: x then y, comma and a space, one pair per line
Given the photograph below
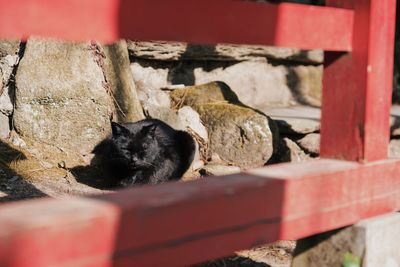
191, 119
260, 75
171, 51
154, 101
61, 97
8, 60
237, 134
305, 83
7, 65
9, 47
289, 151
310, 143
257, 82
149, 81
192, 123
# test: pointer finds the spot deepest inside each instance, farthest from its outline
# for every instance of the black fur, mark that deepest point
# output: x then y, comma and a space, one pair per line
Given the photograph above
146, 152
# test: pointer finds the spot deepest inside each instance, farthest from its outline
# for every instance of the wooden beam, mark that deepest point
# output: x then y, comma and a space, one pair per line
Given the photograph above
349, 4
358, 87
179, 224
195, 21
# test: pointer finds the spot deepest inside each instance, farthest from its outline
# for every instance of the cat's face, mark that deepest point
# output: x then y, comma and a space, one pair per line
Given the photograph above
137, 150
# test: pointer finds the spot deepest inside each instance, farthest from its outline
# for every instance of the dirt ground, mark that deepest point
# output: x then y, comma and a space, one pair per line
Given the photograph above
35, 172
27, 172
278, 254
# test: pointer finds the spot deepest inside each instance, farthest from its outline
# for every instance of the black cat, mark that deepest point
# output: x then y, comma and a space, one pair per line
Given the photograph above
146, 152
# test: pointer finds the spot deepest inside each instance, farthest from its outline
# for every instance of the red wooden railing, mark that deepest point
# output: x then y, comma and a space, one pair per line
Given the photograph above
183, 223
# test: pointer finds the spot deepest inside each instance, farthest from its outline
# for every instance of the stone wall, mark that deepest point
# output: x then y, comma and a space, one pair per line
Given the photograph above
261, 76
8, 60
64, 95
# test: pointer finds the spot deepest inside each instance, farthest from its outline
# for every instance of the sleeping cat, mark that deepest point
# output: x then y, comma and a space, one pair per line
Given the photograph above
146, 152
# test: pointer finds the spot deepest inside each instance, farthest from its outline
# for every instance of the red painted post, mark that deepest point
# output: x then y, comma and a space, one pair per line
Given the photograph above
358, 86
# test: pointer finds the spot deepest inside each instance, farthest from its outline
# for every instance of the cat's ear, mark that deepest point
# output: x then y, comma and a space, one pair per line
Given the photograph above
118, 129
149, 130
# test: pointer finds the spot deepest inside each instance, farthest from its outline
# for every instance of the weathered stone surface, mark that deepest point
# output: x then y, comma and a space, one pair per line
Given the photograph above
382, 236
6, 105
8, 61
394, 148
195, 127
296, 119
218, 170
16, 140
257, 83
155, 102
4, 126
7, 65
166, 115
9, 47
60, 95
306, 84
289, 151
395, 131
148, 81
190, 118
310, 143
395, 121
239, 135
120, 81
373, 241
212, 92
220, 52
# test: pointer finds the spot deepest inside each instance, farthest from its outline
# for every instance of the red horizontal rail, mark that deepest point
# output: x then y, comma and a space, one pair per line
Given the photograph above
199, 220
197, 21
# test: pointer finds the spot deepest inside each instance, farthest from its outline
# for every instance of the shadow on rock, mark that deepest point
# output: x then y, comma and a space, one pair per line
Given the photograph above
183, 72
96, 174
